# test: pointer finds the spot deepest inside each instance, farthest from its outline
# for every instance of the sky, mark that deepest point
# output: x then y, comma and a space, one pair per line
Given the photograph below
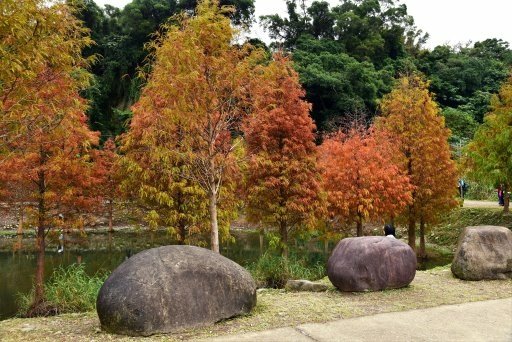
447, 21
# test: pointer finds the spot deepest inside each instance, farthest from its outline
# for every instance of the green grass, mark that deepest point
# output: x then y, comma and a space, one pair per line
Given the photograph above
69, 289
447, 232
274, 271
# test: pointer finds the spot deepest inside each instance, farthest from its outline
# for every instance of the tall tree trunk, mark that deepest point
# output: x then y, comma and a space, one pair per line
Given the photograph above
423, 253
411, 232
41, 207
506, 200
283, 232
110, 215
20, 224
359, 225
18, 246
109, 241
182, 232
213, 222
182, 224
39, 280
262, 234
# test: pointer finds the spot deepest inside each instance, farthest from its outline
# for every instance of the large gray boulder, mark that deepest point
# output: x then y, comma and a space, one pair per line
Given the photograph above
169, 288
371, 263
483, 252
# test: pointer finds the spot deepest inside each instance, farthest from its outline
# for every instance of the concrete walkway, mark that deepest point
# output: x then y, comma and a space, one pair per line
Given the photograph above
478, 321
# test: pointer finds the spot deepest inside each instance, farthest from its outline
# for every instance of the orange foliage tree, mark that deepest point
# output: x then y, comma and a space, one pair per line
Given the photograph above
361, 179
412, 118
33, 36
52, 162
43, 132
283, 183
188, 112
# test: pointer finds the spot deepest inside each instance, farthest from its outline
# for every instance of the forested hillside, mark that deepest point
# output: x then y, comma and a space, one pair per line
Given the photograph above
347, 57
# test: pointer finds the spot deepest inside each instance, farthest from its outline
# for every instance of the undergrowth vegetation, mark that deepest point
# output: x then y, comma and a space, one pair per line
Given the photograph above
480, 192
447, 232
69, 289
273, 271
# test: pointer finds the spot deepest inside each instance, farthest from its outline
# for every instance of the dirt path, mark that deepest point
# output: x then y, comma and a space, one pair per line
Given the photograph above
481, 204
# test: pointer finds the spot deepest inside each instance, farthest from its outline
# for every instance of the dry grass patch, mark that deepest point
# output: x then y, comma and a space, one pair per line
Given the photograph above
278, 308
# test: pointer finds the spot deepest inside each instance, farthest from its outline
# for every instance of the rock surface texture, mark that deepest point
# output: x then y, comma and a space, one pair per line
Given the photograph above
371, 263
483, 252
304, 285
173, 287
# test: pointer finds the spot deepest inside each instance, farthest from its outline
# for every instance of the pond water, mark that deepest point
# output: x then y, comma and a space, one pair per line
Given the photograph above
104, 252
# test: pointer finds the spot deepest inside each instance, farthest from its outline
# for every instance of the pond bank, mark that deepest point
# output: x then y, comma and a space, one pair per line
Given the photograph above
278, 308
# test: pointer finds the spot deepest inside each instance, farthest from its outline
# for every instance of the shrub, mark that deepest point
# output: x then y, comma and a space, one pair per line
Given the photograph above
69, 289
274, 271
477, 191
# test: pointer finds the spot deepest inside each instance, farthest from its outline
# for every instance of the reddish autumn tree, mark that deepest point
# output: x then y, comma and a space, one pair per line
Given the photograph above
34, 34
196, 88
413, 121
283, 183
43, 131
360, 177
52, 159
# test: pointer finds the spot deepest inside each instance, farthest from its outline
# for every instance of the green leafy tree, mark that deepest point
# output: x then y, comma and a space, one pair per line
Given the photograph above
490, 152
368, 30
465, 77
462, 126
337, 84
347, 55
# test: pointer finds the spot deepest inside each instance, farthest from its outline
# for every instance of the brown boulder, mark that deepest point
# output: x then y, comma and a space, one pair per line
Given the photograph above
483, 252
168, 288
371, 263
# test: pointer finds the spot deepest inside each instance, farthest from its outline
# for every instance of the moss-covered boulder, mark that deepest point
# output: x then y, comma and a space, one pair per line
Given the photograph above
169, 288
